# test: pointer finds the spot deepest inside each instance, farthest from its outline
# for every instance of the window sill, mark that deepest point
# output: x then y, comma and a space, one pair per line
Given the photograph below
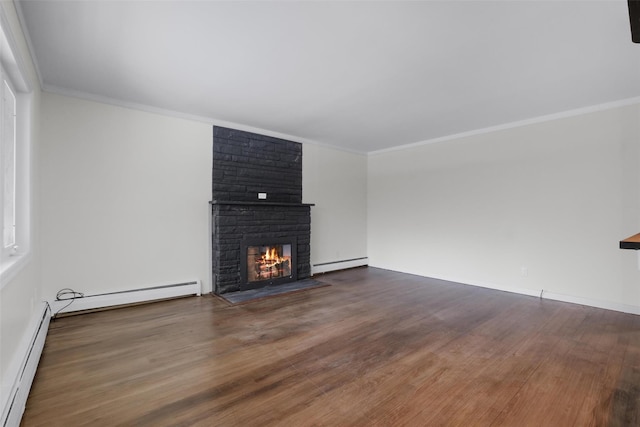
11, 266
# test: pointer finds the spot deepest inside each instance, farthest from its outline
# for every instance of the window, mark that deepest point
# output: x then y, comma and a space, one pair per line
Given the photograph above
15, 161
8, 178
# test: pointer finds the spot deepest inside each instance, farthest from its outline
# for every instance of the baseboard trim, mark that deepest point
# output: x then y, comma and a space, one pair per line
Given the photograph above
325, 267
132, 296
16, 383
607, 305
542, 294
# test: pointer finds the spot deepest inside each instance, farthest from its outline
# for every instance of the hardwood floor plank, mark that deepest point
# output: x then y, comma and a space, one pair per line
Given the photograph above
377, 348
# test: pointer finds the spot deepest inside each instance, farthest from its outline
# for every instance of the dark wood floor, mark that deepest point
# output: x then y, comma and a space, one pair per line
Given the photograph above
376, 348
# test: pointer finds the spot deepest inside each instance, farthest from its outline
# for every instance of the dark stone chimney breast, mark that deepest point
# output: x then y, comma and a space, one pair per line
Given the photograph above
257, 197
245, 164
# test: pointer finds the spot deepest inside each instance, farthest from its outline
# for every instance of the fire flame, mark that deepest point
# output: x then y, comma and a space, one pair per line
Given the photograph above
271, 255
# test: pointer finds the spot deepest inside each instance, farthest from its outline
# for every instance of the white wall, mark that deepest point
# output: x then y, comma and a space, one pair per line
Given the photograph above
20, 297
124, 197
553, 198
336, 182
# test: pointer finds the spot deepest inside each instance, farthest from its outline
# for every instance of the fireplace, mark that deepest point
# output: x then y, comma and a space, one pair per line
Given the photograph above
261, 230
269, 262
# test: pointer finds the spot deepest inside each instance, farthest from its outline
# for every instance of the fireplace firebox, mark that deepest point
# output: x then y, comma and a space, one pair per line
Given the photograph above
268, 262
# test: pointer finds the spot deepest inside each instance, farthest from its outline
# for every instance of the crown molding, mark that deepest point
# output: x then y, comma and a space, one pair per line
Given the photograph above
193, 117
511, 125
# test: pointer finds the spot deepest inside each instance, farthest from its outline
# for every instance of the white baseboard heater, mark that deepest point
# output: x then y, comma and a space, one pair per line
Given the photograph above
89, 302
22, 370
325, 267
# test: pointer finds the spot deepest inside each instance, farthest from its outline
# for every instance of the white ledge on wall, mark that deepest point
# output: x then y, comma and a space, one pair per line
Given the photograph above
12, 266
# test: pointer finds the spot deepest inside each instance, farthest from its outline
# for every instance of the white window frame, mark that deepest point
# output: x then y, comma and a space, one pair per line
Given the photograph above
9, 159
12, 69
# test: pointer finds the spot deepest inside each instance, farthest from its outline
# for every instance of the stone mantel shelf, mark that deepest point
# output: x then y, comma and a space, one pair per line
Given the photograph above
239, 203
632, 242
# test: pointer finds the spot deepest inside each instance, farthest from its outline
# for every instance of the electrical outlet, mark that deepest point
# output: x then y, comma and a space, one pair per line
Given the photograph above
262, 196
524, 271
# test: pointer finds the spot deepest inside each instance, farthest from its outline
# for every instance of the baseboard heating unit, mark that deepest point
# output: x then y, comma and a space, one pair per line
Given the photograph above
90, 302
326, 267
22, 370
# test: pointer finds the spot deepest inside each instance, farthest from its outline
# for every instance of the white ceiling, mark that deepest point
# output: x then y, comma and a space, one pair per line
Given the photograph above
360, 75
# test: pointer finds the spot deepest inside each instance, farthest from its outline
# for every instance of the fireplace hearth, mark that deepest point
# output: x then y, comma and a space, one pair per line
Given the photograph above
261, 230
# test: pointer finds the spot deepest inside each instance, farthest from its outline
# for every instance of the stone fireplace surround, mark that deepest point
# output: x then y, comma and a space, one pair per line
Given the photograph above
244, 165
